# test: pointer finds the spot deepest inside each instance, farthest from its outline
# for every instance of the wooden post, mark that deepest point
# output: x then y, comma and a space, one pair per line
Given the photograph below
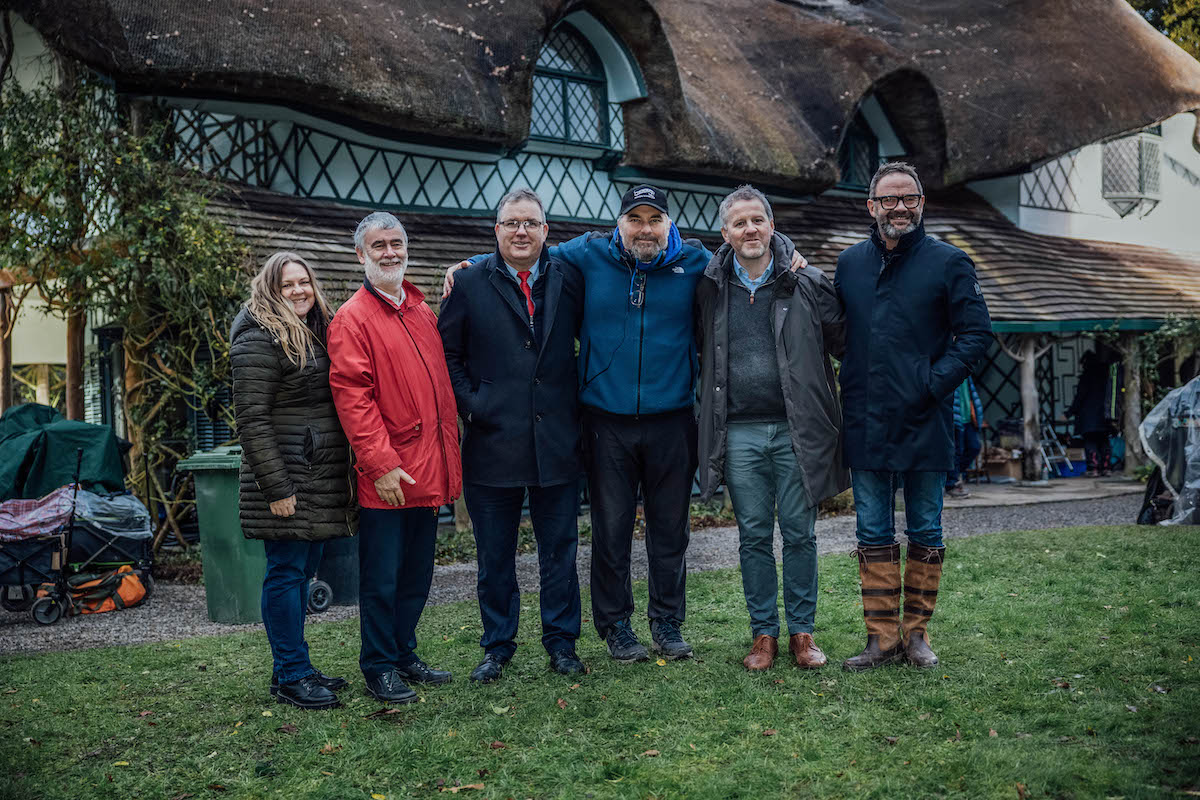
1131, 357
7, 396
74, 376
43, 384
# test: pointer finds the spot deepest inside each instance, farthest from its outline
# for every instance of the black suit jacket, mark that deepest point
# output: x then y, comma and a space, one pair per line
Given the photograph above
517, 397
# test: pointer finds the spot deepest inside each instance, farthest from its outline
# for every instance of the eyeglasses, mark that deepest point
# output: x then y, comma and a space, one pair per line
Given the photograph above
637, 288
889, 201
511, 225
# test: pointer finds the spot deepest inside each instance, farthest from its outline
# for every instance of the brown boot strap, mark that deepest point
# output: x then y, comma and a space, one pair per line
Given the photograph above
920, 612
878, 555
914, 590
881, 592
883, 613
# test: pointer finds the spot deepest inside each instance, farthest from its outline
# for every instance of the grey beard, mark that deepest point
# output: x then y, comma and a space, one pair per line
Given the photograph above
892, 232
390, 277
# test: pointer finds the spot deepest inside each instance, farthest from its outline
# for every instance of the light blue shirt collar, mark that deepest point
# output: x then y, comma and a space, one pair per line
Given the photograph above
534, 272
744, 276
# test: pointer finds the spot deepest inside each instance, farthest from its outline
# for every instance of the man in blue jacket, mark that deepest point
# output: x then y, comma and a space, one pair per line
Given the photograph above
509, 335
915, 322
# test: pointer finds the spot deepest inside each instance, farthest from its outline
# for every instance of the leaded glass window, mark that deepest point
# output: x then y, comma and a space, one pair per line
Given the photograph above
570, 98
859, 157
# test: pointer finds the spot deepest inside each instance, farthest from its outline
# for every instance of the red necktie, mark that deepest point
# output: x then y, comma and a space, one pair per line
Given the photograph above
524, 276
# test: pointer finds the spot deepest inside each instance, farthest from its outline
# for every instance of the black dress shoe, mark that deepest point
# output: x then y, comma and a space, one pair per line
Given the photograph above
489, 669
329, 682
565, 662
390, 688
306, 693
420, 672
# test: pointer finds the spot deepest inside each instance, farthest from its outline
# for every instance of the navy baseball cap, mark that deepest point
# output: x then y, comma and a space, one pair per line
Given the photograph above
644, 195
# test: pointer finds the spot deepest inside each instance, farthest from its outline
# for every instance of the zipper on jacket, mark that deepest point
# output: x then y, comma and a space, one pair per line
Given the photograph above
641, 340
437, 406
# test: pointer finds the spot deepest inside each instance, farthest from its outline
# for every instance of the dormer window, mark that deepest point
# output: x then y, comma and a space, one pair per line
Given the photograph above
859, 157
570, 96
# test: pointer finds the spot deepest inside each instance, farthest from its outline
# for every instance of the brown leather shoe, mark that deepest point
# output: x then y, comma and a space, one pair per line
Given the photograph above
806, 652
762, 653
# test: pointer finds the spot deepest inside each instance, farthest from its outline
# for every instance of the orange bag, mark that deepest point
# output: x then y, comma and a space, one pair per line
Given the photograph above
110, 591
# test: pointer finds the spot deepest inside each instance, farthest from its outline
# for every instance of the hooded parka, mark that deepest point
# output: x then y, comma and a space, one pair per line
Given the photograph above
916, 322
292, 442
807, 321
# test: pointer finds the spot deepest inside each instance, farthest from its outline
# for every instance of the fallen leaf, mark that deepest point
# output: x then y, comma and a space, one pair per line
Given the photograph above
1159, 689
770, 732
651, 753
329, 749
992, 732
662, 662
1131, 709
1062, 685
268, 713
238, 724
562, 703
145, 713
34, 742
691, 745
10, 691
576, 685
183, 796
1022, 792
891, 739
120, 763
926, 715
287, 727
383, 712
327, 774
498, 745
202, 667
378, 796
1023, 735
457, 789
216, 787
499, 709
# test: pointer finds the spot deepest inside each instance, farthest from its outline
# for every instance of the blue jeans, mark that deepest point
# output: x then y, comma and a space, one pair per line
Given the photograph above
761, 474
875, 505
495, 515
395, 570
290, 566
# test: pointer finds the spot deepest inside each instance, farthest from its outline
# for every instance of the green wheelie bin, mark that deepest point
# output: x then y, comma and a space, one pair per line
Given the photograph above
234, 566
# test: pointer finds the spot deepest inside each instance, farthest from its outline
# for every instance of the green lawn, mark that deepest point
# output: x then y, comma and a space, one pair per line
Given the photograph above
1069, 670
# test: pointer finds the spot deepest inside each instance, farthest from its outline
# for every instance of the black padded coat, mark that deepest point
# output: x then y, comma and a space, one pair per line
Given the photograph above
292, 442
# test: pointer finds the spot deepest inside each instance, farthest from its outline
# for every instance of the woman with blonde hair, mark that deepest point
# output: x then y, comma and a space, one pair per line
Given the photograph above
295, 486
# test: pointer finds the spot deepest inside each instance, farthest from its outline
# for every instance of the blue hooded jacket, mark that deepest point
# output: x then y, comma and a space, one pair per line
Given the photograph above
636, 360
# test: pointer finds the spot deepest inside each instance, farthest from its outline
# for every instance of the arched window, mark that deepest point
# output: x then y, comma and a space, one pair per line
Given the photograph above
570, 97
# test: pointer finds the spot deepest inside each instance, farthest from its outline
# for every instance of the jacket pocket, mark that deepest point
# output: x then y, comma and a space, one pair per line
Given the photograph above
405, 435
310, 445
480, 404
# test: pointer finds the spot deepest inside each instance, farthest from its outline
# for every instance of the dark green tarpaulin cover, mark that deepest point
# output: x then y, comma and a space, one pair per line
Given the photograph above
37, 453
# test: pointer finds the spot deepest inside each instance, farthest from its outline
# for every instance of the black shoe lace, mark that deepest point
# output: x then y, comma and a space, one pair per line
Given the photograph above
623, 637
668, 631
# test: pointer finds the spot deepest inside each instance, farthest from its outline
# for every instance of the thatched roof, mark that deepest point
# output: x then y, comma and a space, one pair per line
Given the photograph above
757, 90
1030, 280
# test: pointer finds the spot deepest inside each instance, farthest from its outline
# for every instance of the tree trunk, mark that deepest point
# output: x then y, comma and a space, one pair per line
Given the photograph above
42, 393
1131, 354
1032, 429
74, 377
7, 397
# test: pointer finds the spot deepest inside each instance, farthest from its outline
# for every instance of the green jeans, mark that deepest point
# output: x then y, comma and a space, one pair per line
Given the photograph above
761, 475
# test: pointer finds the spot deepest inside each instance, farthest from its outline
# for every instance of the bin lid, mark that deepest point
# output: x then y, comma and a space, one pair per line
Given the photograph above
225, 457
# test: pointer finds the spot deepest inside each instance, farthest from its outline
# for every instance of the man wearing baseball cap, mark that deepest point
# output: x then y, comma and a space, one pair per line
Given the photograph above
637, 373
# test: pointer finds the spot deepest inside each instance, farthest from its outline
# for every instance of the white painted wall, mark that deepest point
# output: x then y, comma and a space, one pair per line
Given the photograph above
1171, 225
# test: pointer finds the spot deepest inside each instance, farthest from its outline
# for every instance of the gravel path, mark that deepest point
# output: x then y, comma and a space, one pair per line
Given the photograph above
178, 611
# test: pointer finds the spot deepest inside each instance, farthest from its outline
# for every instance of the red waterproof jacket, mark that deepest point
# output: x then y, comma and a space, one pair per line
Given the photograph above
394, 398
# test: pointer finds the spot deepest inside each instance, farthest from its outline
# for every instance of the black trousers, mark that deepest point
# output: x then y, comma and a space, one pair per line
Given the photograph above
658, 454
395, 571
495, 517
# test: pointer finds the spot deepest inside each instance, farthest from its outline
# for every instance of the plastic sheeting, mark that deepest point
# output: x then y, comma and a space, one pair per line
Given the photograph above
112, 515
1171, 437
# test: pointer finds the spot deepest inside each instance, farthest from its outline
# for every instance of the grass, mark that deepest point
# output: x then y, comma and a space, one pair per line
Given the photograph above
1069, 671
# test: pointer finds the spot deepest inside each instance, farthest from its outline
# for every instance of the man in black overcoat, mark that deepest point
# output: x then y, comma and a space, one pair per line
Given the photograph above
509, 334
916, 321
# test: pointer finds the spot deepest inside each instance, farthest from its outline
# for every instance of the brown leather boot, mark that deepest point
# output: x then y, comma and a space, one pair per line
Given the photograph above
922, 574
805, 651
879, 569
762, 653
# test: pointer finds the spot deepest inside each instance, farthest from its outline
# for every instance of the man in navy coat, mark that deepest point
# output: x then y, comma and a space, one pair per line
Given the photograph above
915, 323
509, 333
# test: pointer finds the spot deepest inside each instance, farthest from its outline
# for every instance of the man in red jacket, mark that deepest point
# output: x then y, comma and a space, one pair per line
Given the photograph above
396, 404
